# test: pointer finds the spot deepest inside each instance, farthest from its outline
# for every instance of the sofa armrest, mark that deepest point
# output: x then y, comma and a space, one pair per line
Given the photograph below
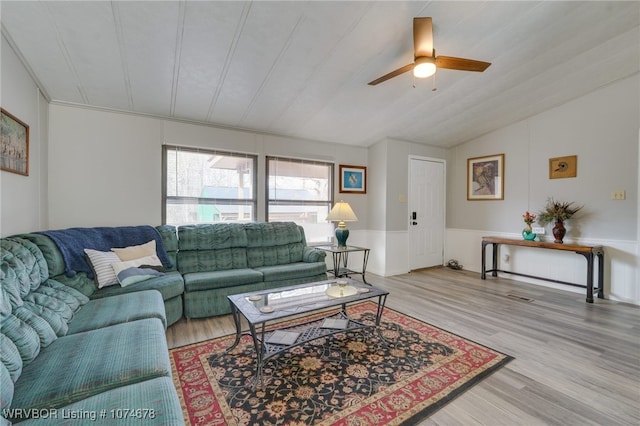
310, 254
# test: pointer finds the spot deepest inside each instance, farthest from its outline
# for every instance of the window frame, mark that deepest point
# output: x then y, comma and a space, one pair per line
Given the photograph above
251, 202
280, 202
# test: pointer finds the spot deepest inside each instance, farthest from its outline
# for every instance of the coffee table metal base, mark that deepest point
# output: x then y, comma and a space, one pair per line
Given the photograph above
296, 301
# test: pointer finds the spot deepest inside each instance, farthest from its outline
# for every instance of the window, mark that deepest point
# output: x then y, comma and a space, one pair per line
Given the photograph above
205, 186
301, 191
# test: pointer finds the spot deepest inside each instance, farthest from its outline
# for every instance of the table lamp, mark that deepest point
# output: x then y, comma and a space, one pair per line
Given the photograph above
342, 213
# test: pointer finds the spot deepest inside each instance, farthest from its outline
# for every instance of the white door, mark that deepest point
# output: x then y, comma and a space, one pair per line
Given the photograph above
426, 213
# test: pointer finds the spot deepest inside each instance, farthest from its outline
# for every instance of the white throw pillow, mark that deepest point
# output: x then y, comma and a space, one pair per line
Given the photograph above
100, 262
136, 252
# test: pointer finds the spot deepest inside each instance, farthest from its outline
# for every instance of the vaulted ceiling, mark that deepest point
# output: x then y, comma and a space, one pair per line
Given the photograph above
301, 69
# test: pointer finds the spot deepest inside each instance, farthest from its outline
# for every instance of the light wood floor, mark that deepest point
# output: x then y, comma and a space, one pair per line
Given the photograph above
575, 363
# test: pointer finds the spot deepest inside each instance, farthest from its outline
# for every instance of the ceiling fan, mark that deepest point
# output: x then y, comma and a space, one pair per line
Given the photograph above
425, 60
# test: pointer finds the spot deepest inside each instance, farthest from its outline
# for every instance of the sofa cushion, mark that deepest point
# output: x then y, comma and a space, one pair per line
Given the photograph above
5, 304
55, 319
169, 234
16, 281
118, 309
198, 281
154, 402
62, 296
269, 234
49, 249
27, 261
169, 285
80, 298
79, 282
211, 260
6, 388
276, 255
50, 303
211, 236
10, 286
310, 254
82, 365
39, 325
10, 357
292, 271
23, 336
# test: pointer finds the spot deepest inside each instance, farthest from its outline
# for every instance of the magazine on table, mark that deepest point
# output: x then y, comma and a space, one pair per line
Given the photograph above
280, 337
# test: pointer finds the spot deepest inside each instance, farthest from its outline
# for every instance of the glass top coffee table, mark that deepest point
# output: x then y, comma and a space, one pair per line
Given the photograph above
275, 305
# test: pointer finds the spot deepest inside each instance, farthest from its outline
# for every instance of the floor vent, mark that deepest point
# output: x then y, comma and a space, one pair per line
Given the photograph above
520, 298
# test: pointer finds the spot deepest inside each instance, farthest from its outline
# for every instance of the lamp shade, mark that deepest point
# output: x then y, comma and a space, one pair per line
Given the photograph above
342, 212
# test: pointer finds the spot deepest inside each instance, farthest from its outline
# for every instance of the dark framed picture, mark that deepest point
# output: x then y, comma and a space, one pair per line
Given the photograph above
485, 178
563, 167
14, 144
353, 179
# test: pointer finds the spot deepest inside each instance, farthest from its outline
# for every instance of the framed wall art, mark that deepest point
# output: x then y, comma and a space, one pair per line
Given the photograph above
14, 144
353, 179
563, 167
485, 178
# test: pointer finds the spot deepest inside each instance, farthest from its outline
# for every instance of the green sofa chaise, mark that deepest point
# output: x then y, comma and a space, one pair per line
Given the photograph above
67, 359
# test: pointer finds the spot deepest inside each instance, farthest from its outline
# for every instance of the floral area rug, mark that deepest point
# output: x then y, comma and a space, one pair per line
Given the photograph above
397, 374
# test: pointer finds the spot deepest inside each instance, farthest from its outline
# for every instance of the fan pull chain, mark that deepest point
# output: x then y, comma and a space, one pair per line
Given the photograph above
434, 88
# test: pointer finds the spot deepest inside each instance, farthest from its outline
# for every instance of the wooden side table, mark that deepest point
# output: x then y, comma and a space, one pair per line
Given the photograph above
589, 252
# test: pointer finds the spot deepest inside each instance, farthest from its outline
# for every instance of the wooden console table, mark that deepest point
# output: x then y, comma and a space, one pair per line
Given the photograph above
589, 252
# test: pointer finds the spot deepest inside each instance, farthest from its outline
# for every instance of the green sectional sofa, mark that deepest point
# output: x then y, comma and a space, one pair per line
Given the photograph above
70, 351
69, 359
219, 259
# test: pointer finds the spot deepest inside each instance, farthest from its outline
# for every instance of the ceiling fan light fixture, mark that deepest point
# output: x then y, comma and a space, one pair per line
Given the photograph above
424, 67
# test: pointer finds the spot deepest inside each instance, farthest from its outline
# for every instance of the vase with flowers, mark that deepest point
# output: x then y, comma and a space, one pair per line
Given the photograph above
558, 212
527, 232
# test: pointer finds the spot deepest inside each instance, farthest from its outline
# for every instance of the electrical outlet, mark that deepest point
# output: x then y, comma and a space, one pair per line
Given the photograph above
538, 230
618, 195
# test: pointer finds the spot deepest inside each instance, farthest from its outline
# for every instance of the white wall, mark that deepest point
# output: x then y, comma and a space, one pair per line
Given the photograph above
106, 167
601, 128
23, 199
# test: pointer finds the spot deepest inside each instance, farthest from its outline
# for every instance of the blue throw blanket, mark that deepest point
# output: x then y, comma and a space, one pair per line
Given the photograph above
72, 242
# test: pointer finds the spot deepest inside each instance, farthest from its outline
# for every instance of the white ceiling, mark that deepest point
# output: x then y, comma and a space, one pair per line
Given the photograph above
301, 69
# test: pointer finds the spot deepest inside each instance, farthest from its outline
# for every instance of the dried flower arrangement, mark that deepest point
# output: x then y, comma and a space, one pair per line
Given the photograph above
556, 211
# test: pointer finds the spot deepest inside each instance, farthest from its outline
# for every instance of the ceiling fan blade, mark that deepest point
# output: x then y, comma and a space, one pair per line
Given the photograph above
391, 74
422, 37
461, 64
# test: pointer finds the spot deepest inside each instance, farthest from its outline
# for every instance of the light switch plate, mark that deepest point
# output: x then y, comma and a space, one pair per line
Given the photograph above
618, 195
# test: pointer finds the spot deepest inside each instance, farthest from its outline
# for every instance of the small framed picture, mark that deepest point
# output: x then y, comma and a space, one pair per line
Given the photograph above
485, 178
563, 167
14, 144
353, 179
